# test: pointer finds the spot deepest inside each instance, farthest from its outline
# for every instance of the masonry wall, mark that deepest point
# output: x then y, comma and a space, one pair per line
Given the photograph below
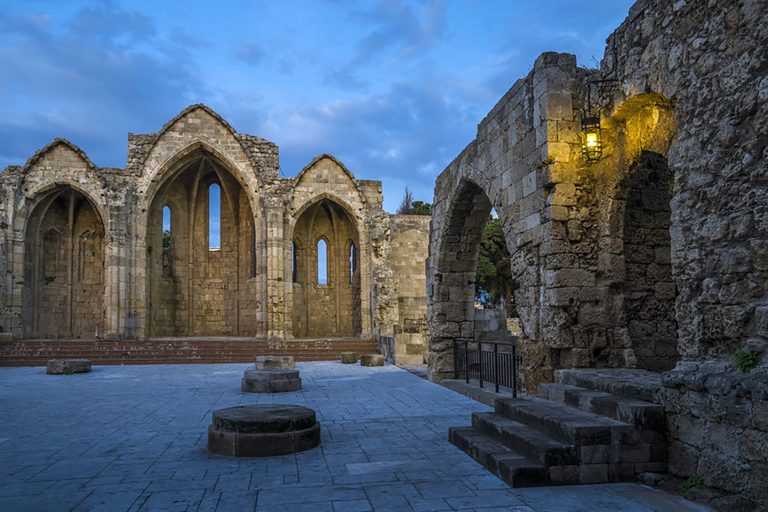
708, 59
101, 269
408, 255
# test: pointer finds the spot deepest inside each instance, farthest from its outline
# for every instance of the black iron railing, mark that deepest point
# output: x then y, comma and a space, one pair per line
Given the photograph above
487, 361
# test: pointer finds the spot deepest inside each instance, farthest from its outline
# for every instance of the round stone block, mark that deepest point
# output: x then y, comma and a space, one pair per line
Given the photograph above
372, 360
68, 366
348, 358
270, 381
274, 363
263, 430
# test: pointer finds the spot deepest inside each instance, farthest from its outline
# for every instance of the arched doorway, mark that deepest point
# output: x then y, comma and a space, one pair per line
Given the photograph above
64, 267
202, 240
326, 274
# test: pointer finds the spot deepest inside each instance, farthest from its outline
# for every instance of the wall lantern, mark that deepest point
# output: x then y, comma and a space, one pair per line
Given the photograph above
591, 138
591, 135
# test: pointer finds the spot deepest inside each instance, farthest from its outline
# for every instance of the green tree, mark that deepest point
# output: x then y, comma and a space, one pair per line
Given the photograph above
167, 239
494, 283
410, 207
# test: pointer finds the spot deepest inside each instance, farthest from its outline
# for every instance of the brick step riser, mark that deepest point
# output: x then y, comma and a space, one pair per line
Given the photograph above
37, 353
115, 362
546, 456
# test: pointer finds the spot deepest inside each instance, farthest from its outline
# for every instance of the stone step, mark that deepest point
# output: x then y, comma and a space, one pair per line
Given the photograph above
630, 410
631, 383
514, 469
526, 441
567, 424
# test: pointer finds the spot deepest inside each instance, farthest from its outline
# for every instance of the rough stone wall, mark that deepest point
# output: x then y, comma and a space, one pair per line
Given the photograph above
709, 60
109, 274
407, 322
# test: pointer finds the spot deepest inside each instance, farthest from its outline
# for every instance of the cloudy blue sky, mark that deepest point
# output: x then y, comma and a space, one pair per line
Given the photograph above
393, 88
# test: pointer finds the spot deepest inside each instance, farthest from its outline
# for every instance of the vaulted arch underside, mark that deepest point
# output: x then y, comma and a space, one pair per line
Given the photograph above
204, 267
63, 267
330, 305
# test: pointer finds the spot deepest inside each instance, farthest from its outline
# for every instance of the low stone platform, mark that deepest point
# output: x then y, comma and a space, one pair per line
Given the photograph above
274, 363
348, 357
372, 360
68, 366
263, 430
270, 381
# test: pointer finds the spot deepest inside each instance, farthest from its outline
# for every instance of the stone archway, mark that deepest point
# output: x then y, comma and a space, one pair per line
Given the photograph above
634, 197
64, 267
326, 301
196, 289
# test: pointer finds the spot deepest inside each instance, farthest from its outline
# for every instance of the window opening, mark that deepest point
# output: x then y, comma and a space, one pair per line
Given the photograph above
322, 262
166, 227
352, 261
255, 250
214, 217
293, 262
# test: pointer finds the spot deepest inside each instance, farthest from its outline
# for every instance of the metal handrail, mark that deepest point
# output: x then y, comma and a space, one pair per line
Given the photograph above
499, 368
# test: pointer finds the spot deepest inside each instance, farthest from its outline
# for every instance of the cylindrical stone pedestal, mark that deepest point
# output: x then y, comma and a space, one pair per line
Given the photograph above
270, 381
263, 430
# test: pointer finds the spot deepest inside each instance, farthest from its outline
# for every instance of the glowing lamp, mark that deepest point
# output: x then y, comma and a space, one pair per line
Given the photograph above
591, 138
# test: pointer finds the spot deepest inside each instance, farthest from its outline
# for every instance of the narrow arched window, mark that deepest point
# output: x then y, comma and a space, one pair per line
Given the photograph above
322, 262
352, 261
294, 263
167, 227
255, 251
214, 217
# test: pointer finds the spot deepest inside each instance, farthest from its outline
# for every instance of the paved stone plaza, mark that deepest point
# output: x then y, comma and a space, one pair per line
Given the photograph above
133, 438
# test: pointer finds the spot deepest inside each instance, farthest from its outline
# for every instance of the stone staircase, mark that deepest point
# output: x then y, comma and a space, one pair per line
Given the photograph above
177, 350
568, 435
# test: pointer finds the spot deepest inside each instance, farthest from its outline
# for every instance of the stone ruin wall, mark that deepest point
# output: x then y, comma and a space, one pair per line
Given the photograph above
406, 321
84, 255
710, 59
672, 219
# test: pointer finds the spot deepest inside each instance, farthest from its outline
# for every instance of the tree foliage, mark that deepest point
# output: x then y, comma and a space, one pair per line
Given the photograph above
494, 284
410, 207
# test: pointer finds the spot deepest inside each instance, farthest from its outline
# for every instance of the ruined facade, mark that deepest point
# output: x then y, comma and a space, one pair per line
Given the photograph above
652, 258
199, 236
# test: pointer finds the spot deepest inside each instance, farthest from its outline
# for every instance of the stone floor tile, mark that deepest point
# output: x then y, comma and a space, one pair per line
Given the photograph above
239, 501
490, 498
352, 506
99, 501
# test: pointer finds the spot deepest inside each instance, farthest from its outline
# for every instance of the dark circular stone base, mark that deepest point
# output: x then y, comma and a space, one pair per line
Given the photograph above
263, 430
270, 381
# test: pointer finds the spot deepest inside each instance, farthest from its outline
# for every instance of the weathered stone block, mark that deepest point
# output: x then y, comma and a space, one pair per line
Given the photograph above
68, 366
270, 381
348, 357
274, 363
371, 360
